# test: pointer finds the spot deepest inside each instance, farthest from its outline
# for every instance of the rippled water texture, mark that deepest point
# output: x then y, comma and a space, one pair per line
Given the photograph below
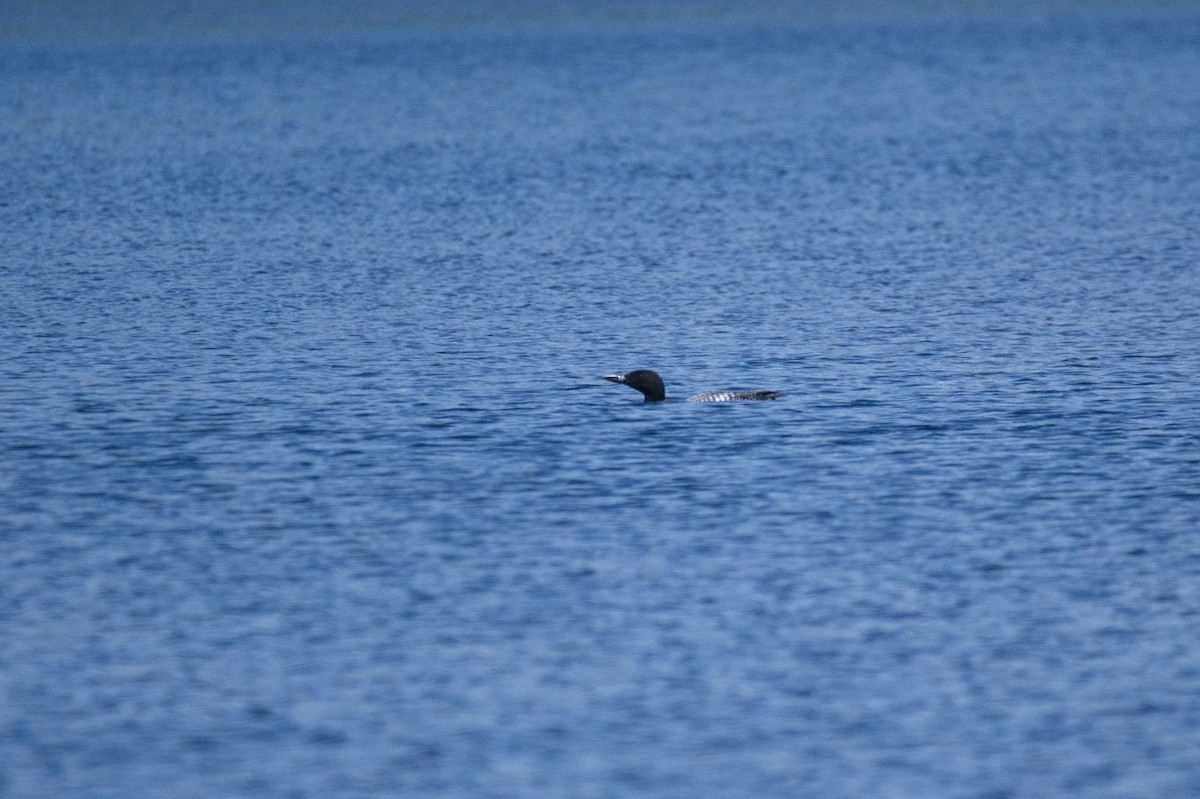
309, 485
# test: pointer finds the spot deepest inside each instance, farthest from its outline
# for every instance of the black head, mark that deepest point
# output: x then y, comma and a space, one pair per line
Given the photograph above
645, 381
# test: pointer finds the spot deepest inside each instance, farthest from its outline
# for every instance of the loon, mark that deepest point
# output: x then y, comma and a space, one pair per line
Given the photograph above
651, 386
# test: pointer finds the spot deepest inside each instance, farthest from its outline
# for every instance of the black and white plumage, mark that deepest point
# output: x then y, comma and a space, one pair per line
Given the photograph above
651, 385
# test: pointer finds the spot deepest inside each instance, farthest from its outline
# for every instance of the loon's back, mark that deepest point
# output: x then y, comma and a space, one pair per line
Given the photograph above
727, 396
651, 385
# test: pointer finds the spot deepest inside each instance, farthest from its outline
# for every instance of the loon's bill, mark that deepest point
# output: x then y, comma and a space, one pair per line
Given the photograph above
651, 385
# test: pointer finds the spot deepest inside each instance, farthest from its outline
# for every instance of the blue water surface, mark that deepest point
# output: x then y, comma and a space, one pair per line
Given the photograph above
309, 485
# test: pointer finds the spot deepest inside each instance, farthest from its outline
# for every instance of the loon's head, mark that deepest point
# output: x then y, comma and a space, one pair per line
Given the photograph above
645, 381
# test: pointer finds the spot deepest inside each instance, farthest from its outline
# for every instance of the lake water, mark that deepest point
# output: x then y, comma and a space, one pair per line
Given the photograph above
309, 485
